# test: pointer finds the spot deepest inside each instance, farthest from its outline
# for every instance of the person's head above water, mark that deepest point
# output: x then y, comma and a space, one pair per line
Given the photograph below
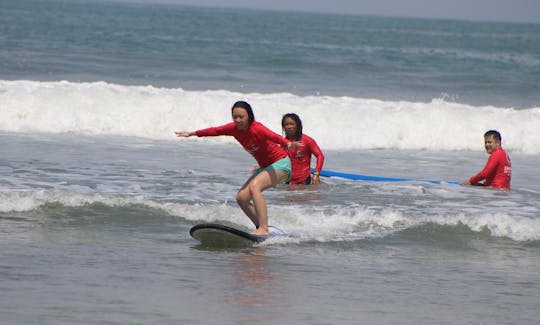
492, 141
292, 126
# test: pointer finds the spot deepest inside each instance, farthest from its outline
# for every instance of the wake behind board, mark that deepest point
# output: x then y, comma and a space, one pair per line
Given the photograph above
217, 235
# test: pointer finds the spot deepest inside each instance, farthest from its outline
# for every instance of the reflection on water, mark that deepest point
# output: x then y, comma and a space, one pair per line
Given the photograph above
257, 287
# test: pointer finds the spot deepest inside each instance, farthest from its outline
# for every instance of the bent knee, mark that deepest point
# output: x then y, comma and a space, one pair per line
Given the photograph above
242, 196
255, 186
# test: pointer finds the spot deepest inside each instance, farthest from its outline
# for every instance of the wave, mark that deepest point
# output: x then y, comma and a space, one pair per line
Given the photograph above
340, 123
328, 224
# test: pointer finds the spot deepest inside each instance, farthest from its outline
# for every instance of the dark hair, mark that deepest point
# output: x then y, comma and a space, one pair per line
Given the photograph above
493, 133
295, 117
247, 107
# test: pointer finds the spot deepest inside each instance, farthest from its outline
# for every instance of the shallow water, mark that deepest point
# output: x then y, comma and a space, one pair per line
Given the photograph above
96, 230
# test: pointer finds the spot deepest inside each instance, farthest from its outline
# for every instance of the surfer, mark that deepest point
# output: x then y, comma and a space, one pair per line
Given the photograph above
301, 155
268, 150
498, 170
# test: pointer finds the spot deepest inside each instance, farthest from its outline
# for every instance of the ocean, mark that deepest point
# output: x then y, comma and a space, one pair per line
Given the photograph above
97, 195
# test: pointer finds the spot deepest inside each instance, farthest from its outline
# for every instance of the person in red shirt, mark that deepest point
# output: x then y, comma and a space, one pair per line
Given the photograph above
301, 154
268, 150
498, 170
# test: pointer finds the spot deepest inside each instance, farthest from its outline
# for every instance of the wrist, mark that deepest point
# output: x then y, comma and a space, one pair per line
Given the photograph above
316, 174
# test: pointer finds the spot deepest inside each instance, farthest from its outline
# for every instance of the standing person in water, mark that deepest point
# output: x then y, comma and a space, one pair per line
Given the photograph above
498, 170
267, 148
300, 155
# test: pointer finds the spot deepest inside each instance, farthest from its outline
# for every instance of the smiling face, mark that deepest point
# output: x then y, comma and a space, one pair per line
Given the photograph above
241, 118
491, 144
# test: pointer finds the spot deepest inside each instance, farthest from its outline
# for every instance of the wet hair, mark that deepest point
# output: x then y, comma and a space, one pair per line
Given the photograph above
493, 133
247, 107
296, 118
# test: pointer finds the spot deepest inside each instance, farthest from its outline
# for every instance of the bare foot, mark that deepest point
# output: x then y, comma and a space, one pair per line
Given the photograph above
261, 232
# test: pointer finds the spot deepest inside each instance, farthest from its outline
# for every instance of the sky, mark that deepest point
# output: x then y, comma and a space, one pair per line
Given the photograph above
527, 11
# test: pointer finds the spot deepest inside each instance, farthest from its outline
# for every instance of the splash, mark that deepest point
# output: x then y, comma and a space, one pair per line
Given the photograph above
332, 223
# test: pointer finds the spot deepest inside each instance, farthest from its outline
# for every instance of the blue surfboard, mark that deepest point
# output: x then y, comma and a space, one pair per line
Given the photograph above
359, 177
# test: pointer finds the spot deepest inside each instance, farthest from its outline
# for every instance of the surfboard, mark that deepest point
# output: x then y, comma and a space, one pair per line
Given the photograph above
218, 235
360, 177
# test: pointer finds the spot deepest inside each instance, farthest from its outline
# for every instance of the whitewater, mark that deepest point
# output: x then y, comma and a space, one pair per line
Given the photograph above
338, 123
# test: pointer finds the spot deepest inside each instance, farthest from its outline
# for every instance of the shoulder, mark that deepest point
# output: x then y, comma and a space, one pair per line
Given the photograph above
309, 141
260, 131
307, 138
263, 129
229, 127
504, 157
499, 153
257, 125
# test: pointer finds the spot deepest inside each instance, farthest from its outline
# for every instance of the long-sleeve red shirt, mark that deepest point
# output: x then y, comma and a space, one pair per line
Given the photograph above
263, 144
497, 172
301, 159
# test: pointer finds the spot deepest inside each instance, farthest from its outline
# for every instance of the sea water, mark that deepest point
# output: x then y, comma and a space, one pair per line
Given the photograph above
97, 195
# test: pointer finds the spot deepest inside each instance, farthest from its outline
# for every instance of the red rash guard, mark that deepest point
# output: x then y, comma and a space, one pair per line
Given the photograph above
258, 140
497, 172
301, 159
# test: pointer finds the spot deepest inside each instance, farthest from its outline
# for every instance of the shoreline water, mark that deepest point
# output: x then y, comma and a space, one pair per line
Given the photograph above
76, 171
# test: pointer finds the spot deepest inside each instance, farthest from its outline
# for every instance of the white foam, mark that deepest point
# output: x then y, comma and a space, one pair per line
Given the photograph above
324, 224
27, 200
364, 222
341, 123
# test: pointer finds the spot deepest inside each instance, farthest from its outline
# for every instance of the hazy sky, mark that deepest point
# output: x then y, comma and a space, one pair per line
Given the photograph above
484, 10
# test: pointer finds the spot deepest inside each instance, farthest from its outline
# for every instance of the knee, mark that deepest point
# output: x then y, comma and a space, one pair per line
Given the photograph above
254, 187
242, 197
